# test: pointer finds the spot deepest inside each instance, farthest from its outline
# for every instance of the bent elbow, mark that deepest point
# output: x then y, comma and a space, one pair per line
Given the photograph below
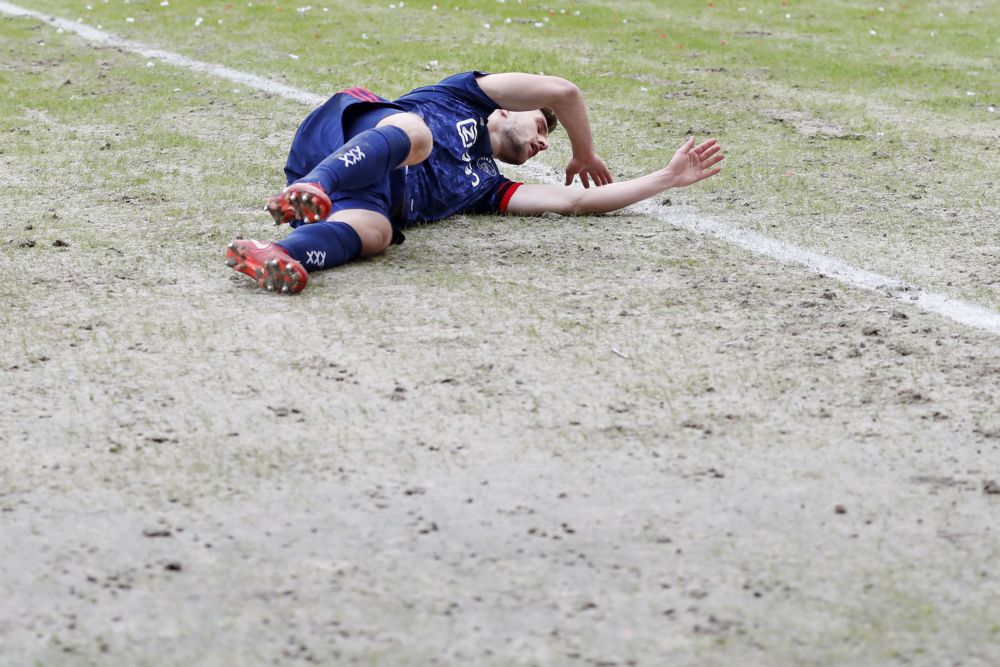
563, 89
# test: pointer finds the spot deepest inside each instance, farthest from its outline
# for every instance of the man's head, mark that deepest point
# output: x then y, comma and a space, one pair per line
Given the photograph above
517, 136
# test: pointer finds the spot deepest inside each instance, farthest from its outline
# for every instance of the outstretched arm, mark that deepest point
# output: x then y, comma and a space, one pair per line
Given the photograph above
689, 165
527, 92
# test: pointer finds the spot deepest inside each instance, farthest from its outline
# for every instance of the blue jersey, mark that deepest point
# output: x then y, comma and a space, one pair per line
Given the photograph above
460, 176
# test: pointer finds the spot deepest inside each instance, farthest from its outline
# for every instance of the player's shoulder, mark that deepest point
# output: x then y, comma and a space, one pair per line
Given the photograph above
462, 86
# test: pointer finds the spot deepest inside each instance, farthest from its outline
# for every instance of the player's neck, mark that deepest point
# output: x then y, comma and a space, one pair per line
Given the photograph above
493, 126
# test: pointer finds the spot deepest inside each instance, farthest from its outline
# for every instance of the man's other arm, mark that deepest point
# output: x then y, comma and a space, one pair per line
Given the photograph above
689, 165
515, 91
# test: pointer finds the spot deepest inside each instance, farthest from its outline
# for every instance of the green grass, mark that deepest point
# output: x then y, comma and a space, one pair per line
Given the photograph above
822, 120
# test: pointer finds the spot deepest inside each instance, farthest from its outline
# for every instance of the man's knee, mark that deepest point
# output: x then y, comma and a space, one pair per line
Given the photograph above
421, 140
374, 230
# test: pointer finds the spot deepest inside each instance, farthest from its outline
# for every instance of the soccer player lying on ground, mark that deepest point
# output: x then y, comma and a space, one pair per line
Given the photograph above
361, 168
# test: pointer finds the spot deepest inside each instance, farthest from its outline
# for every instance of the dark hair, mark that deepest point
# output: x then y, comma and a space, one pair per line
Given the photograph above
550, 118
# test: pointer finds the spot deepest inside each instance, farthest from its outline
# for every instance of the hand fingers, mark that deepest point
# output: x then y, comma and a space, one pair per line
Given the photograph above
705, 145
688, 145
584, 179
716, 160
709, 152
569, 177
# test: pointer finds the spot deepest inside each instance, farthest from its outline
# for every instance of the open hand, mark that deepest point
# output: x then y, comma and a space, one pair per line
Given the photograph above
592, 167
691, 163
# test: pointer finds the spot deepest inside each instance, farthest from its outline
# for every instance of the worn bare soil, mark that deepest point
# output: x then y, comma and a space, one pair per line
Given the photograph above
553, 441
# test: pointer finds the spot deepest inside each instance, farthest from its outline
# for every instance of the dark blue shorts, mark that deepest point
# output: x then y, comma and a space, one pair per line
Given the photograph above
346, 114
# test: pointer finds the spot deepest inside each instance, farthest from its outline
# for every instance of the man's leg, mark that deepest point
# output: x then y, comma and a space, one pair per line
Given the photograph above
399, 140
348, 234
283, 266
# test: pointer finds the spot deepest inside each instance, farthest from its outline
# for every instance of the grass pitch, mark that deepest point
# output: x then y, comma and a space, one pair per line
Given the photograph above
509, 441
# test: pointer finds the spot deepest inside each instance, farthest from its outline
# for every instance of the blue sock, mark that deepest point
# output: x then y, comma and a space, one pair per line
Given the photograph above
363, 160
322, 245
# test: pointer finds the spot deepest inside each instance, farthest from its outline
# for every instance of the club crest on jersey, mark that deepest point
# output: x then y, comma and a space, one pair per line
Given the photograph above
487, 165
468, 130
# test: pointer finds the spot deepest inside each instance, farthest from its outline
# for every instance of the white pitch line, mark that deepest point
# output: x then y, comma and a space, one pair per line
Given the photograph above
107, 39
957, 310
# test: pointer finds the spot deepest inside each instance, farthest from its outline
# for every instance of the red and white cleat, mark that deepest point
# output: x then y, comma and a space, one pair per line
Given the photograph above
268, 264
299, 201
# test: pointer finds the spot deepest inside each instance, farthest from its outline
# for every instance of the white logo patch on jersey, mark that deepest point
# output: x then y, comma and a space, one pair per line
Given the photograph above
487, 165
468, 130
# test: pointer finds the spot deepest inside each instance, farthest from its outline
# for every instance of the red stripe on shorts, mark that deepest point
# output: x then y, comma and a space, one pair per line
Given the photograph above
360, 94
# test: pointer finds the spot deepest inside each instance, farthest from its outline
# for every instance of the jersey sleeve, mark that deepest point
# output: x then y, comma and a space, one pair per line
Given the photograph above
497, 197
463, 86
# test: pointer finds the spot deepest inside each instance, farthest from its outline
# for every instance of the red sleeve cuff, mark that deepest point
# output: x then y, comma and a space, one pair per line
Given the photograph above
512, 188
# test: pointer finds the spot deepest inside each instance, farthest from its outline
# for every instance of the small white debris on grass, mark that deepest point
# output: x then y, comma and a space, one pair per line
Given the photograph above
129, 19
507, 21
198, 21
576, 13
539, 25
303, 10
643, 89
788, 16
619, 353
293, 56
364, 35
741, 9
970, 93
165, 3
434, 8
881, 9
90, 7
872, 33
486, 25
991, 109
150, 63
60, 31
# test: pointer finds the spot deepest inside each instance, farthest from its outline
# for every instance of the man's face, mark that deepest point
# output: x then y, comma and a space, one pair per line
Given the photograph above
522, 135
